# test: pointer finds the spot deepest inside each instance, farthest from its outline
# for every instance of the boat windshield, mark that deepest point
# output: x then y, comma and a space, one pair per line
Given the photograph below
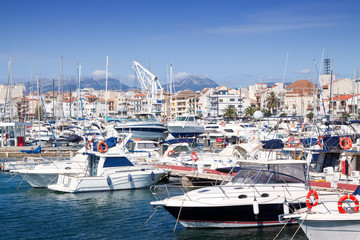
270, 174
145, 118
185, 118
147, 146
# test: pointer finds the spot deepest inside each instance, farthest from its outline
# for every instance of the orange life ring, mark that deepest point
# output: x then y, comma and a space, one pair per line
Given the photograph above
308, 204
345, 143
194, 156
88, 145
171, 152
102, 147
289, 140
318, 141
223, 124
297, 156
346, 197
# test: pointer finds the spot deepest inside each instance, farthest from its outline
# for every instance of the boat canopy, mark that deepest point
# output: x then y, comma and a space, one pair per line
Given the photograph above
117, 162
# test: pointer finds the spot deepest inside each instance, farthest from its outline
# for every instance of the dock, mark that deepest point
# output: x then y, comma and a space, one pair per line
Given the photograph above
15, 152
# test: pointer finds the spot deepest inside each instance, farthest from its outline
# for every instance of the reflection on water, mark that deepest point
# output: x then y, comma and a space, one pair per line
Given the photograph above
43, 214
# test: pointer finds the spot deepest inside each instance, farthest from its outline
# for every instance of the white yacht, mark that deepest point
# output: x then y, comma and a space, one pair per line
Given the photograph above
185, 126
108, 170
337, 217
145, 126
262, 189
43, 174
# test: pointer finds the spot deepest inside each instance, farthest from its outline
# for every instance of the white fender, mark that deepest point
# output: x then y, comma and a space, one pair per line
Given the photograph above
256, 207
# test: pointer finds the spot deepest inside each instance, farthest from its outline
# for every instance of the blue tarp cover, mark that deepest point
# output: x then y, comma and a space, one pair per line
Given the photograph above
272, 144
35, 151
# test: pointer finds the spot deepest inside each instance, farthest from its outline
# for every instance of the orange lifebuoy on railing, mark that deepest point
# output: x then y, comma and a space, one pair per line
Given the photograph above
308, 204
289, 140
345, 143
346, 197
171, 152
293, 142
102, 147
320, 139
223, 124
194, 156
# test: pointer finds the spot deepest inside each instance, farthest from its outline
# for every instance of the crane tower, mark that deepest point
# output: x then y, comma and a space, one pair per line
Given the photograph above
151, 86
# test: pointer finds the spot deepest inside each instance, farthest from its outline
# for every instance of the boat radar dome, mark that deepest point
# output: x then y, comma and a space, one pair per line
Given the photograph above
258, 114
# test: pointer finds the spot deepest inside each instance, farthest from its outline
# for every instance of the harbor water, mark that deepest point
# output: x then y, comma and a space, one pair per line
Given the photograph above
28, 213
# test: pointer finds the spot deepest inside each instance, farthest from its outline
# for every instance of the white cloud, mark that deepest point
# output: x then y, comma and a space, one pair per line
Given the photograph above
181, 75
304, 71
100, 74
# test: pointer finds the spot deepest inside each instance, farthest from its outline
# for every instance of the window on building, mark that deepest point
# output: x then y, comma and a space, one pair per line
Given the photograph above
232, 99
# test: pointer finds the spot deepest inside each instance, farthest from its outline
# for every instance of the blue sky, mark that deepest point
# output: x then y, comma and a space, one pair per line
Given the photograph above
231, 42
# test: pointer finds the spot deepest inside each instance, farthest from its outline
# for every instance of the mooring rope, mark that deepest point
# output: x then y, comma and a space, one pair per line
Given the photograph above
177, 219
283, 227
149, 217
21, 181
300, 225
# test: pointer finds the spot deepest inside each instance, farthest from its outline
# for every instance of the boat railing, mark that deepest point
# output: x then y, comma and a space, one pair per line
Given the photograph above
163, 191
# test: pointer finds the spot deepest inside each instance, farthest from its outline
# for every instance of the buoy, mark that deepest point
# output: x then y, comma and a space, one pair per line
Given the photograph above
256, 207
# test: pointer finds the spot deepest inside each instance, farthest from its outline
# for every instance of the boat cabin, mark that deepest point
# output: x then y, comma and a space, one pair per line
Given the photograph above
13, 133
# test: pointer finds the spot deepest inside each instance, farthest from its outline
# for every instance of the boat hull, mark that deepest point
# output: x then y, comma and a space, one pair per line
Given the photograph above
230, 216
115, 181
185, 131
150, 132
331, 229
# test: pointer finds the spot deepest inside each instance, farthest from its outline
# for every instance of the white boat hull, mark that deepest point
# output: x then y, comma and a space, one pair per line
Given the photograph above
115, 181
345, 226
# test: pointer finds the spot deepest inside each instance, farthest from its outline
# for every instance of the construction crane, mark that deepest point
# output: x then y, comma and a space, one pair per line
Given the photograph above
151, 86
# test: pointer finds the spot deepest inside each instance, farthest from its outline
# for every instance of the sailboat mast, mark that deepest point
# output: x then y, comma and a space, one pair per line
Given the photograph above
106, 85
61, 91
10, 90
38, 95
331, 85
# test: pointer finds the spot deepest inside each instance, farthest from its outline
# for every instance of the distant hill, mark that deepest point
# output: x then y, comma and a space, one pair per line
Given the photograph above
97, 84
194, 83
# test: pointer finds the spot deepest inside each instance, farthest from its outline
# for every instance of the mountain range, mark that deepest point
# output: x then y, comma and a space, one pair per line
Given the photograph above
191, 82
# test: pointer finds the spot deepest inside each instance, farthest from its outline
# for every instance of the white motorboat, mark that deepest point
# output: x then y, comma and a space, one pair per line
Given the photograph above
330, 219
262, 189
144, 126
43, 174
185, 126
108, 170
26, 162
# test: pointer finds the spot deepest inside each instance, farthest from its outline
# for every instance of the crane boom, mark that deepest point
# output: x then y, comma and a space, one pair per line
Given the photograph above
150, 85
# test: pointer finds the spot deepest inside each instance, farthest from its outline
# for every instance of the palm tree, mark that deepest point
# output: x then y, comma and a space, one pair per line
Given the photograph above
230, 112
249, 111
272, 102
